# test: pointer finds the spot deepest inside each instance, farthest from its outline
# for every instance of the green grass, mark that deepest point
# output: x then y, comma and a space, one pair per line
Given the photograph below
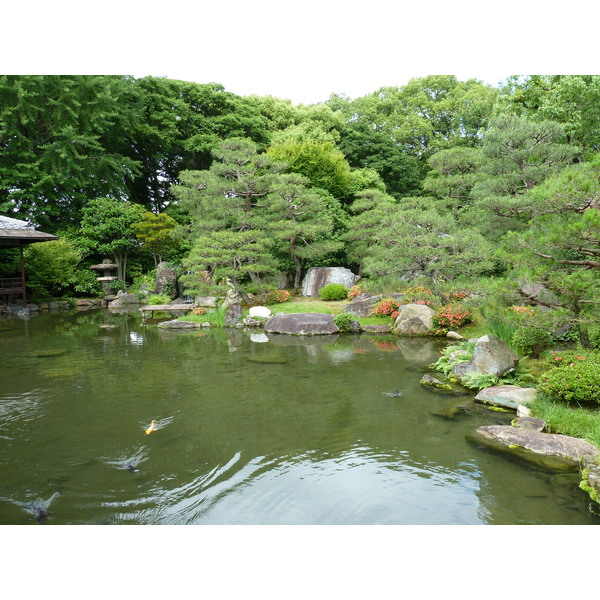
216, 318
560, 418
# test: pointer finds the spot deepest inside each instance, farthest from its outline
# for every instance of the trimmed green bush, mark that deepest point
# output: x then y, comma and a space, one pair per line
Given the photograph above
343, 321
158, 299
576, 378
333, 291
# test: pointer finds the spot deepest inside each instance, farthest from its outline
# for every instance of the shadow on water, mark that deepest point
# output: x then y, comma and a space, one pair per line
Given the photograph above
249, 428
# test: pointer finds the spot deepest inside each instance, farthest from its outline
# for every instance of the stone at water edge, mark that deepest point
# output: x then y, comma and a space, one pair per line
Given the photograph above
414, 319
453, 335
233, 314
302, 324
492, 356
529, 423
179, 325
433, 382
549, 445
507, 396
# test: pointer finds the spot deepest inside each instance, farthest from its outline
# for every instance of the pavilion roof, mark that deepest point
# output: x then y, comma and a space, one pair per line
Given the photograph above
15, 233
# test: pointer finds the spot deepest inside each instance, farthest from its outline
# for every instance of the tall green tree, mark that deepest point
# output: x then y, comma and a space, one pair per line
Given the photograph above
298, 217
107, 227
62, 143
156, 232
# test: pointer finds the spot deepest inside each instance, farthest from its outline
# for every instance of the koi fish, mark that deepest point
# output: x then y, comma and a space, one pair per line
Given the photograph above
151, 428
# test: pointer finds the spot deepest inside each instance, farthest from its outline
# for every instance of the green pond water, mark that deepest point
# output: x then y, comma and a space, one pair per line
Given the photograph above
248, 431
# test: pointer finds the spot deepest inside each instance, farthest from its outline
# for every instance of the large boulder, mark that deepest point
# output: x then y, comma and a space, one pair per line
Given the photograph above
414, 319
166, 281
233, 314
492, 356
507, 396
318, 277
562, 448
362, 305
179, 325
260, 311
301, 324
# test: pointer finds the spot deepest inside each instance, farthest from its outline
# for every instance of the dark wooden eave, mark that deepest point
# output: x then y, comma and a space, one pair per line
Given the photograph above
14, 238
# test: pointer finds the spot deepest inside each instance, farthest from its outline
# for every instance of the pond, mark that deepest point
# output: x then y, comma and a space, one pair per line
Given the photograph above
250, 429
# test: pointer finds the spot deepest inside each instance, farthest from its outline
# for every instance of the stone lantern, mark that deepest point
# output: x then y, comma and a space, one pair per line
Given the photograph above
107, 277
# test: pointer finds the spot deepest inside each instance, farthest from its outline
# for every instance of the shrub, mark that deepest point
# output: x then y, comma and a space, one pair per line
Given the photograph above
451, 316
419, 295
343, 321
333, 291
575, 378
199, 310
454, 354
388, 307
457, 296
354, 291
277, 297
532, 341
478, 381
159, 299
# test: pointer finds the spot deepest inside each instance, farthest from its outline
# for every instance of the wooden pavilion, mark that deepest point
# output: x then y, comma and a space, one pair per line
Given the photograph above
16, 234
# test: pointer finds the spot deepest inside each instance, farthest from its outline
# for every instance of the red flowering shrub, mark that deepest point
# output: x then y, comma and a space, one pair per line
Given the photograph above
451, 316
457, 296
354, 291
199, 310
277, 297
386, 308
419, 295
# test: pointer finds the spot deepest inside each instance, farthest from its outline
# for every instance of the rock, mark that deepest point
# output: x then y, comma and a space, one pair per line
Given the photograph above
414, 319
233, 314
259, 338
301, 324
507, 396
355, 327
206, 301
232, 297
593, 482
179, 325
530, 423
492, 356
260, 311
249, 322
318, 277
362, 305
453, 335
430, 381
166, 281
376, 329
123, 299
523, 411
537, 292
562, 448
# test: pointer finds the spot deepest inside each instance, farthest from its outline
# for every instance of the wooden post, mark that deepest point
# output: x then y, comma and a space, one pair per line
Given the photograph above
23, 275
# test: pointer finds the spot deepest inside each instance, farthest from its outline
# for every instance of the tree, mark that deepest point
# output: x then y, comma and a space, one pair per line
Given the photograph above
297, 216
107, 227
517, 155
156, 233
414, 238
222, 202
59, 138
321, 162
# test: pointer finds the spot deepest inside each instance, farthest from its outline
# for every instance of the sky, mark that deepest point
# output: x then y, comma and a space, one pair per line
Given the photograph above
300, 50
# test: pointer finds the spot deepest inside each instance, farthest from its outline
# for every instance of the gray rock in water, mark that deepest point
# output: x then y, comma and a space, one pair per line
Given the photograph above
414, 319
302, 324
453, 335
318, 277
433, 382
562, 448
179, 325
507, 396
492, 356
376, 329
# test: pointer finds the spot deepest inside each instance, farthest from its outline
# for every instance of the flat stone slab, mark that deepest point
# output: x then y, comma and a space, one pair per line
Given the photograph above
302, 324
507, 396
530, 423
561, 447
377, 329
179, 325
